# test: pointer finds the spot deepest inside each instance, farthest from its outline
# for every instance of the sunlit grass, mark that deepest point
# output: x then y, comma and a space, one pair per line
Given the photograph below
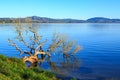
15, 69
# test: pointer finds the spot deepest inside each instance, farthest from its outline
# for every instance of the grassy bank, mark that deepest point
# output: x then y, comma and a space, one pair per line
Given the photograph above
15, 69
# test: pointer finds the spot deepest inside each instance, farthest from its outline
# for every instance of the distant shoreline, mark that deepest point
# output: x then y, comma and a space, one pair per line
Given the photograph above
51, 20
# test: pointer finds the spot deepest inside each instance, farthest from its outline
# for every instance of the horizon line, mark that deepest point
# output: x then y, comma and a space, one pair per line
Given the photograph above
60, 18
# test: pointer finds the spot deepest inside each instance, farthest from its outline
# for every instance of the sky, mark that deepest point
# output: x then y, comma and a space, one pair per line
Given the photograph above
59, 9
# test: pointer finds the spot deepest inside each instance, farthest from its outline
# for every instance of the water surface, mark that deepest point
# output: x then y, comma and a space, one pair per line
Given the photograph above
100, 56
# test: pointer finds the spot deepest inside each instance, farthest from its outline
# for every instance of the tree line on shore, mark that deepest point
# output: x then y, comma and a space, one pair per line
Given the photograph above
51, 20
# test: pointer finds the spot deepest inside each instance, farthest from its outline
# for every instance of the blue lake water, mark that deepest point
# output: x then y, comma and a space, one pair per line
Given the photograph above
100, 56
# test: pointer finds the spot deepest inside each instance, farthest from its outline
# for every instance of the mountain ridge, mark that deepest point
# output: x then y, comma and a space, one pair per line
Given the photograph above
52, 20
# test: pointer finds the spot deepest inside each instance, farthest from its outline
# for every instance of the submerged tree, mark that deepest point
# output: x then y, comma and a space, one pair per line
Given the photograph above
28, 35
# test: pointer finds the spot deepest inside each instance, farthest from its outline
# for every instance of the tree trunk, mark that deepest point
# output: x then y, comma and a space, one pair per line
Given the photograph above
32, 59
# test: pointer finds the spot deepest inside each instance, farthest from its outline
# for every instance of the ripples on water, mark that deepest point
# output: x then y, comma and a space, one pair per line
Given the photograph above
100, 55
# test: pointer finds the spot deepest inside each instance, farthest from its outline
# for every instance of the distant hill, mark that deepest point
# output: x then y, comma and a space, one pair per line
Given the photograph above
51, 20
103, 20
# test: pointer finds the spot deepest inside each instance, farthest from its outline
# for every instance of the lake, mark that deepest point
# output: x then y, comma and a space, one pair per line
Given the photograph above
100, 56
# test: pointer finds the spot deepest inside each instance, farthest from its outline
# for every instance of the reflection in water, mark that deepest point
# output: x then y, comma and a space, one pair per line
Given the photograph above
63, 67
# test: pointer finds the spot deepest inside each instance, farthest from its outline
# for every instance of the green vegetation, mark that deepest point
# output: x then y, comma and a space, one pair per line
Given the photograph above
15, 69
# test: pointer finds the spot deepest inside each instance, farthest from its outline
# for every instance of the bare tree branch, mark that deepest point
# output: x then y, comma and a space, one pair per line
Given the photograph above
40, 52
17, 48
76, 49
13, 44
40, 45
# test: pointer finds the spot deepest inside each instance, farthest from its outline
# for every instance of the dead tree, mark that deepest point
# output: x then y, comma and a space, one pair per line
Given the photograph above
27, 35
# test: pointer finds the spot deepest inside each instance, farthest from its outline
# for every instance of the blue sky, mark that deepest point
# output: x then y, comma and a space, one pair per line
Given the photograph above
77, 9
